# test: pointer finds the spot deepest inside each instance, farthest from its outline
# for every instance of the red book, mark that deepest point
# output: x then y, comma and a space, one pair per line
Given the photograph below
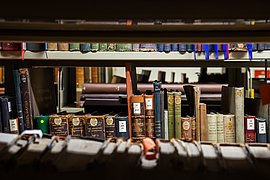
250, 129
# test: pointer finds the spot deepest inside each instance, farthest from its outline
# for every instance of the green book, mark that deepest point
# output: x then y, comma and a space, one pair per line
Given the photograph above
177, 114
74, 46
42, 123
123, 47
95, 47
103, 47
170, 95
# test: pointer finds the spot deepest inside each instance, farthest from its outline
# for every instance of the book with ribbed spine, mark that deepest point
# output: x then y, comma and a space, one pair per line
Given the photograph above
95, 126
212, 127
157, 86
229, 128
250, 128
149, 115
137, 117
204, 123
177, 114
197, 97
171, 114
220, 128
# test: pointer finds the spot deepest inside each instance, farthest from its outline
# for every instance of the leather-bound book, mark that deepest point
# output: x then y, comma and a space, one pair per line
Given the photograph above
37, 47
63, 46
250, 128
171, 114
157, 87
220, 128
95, 126
229, 128
165, 130
148, 47
199, 48
94, 47
137, 117
10, 46
197, 98
52, 46
85, 47
190, 94
212, 127
149, 115
74, 46
42, 123
59, 125
103, 47
76, 124
95, 74
110, 125
174, 47
261, 130
79, 77
4, 107
121, 126
177, 113
204, 123
186, 128
239, 114
26, 98
123, 47
111, 46
267, 46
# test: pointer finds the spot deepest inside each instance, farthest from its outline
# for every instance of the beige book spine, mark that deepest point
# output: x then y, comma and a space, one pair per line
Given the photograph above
197, 94
239, 114
204, 124
220, 128
229, 128
212, 127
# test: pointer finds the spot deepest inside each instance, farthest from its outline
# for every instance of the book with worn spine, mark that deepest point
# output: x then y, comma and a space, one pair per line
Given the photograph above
197, 97
110, 125
186, 131
171, 114
229, 128
212, 127
204, 123
239, 114
95, 126
76, 125
250, 128
177, 114
220, 128
59, 125
149, 115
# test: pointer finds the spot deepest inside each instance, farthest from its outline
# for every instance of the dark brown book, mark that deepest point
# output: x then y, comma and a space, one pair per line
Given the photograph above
59, 125
95, 126
110, 126
149, 115
137, 117
89, 88
26, 98
77, 125
186, 130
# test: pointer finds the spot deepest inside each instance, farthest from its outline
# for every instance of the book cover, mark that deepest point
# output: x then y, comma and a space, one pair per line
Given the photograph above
229, 128
212, 127
177, 113
5, 109
186, 128
204, 123
162, 104
137, 117
171, 114
261, 130
239, 114
95, 126
79, 77
42, 123
250, 128
76, 124
220, 128
149, 115
121, 126
63, 46
59, 125
110, 127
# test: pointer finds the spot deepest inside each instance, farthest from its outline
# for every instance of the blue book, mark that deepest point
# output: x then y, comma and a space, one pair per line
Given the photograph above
157, 87
261, 130
85, 47
182, 48
167, 47
37, 47
160, 47
254, 47
174, 47
121, 126
19, 108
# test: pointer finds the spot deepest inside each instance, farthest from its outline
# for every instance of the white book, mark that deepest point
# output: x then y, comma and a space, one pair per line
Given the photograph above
212, 127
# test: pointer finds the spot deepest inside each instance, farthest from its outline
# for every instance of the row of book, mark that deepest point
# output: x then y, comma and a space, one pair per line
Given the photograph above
94, 47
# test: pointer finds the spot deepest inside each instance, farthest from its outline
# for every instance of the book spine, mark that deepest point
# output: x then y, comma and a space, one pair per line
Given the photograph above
59, 125
42, 123
186, 128
94, 74
94, 47
261, 130
239, 114
77, 125
103, 47
79, 77
166, 131
193, 127
212, 127
121, 127
157, 86
26, 99
111, 46
63, 46
5, 114
85, 47
197, 96
250, 129
220, 128
137, 117
177, 114
14, 126
149, 115
1, 122
74, 46
171, 114
229, 128
95, 127
52, 46
110, 126
204, 123
162, 103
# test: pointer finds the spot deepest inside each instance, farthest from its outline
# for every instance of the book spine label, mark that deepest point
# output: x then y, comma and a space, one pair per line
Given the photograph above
25, 91
250, 129
121, 126
149, 115
171, 114
14, 126
186, 128
77, 125
110, 126
229, 128
95, 127
220, 128
239, 114
59, 125
261, 130
212, 127
177, 114
204, 123
157, 86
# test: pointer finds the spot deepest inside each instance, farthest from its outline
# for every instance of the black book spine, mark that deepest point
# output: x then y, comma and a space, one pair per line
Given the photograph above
121, 127
261, 130
157, 86
19, 107
1, 121
5, 114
